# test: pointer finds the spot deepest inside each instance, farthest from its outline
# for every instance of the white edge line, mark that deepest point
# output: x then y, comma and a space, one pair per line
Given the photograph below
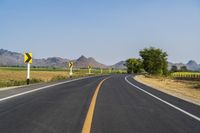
173, 106
23, 93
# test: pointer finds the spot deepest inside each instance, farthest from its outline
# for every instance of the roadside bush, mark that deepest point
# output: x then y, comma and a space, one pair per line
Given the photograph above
58, 78
18, 82
35, 80
197, 86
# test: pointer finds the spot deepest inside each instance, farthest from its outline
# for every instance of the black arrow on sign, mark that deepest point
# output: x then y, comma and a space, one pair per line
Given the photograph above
29, 57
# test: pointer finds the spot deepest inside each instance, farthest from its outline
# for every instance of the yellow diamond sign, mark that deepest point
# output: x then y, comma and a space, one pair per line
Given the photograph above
70, 64
28, 58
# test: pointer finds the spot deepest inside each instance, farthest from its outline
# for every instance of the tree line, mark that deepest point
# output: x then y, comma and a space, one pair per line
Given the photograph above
153, 61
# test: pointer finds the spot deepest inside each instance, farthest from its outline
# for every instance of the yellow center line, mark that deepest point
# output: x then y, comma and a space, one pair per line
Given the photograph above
88, 121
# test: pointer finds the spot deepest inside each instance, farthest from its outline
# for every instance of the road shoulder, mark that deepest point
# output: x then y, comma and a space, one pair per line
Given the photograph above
174, 92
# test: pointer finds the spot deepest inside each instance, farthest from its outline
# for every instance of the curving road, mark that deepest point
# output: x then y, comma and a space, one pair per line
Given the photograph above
122, 105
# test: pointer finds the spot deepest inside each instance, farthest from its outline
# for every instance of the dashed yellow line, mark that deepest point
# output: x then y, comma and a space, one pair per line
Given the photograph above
88, 121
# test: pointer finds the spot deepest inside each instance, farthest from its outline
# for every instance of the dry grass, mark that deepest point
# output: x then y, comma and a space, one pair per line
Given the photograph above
182, 89
15, 76
6, 75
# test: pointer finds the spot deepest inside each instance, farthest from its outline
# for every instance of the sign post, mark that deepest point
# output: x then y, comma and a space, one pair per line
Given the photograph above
89, 69
71, 69
28, 60
110, 70
28, 73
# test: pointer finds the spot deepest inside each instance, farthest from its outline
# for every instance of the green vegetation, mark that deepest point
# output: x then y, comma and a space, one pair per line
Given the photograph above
59, 77
133, 65
182, 69
174, 69
196, 86
154, 61
186, 75
9, 83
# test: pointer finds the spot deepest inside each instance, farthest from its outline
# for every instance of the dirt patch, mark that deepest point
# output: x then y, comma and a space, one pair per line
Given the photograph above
182, 89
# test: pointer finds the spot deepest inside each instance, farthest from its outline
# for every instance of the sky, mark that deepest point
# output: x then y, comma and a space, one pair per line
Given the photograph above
108, 30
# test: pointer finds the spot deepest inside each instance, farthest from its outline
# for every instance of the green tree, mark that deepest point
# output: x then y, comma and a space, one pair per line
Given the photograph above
133, 65
174, 68
154, 61
183, 69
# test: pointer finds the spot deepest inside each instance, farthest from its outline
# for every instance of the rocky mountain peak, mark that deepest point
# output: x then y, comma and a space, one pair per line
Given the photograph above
82, 58
192, 65
192, 62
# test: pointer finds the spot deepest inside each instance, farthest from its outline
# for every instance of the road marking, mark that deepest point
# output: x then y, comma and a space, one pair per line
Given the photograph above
23, 93
88, 120
171, 105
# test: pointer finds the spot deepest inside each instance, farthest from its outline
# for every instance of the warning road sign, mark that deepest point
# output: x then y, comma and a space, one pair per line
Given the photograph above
71, 64
71, 68
89, 66
28, 58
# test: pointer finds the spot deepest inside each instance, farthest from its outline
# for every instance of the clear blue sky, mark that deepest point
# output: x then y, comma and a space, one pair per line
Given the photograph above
108, 30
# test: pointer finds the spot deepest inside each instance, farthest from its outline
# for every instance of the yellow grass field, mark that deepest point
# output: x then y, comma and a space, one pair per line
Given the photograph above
15, 76
18, 77
21, 75
179, 88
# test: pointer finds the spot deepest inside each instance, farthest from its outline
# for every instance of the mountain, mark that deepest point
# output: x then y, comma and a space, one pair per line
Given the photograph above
178, 65
8, 58
192, 65
119, 65
51, 61
83, 62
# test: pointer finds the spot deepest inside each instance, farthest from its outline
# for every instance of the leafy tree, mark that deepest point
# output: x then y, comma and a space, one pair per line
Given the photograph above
174, 68
154, 61
133, 65
183, 69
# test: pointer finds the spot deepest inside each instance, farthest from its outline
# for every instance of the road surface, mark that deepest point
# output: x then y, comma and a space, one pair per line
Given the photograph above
121, 105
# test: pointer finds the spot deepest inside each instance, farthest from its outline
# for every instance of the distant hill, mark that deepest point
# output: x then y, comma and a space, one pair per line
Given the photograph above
50, 62
83, 62
8, 58
119, 65
179, 65
191, 65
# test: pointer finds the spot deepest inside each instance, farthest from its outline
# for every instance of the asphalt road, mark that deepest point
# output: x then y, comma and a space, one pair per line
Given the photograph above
58, 109
122, 106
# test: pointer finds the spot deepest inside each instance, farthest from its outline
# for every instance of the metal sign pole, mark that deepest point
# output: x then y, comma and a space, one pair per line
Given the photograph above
28, 59
70, 69
89, 70
71, 72
28, 73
